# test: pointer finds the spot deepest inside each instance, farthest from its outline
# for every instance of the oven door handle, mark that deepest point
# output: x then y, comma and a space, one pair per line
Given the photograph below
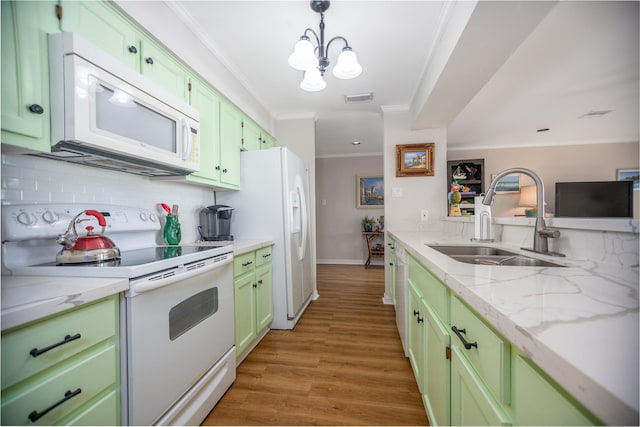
155, 281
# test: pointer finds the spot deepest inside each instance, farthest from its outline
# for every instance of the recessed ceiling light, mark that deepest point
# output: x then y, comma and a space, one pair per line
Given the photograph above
355, 143
542, 130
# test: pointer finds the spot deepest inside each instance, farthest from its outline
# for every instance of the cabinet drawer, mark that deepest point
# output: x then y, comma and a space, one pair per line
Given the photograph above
93, 323
103, 412
243, 263
263, 256
90, 375
491, 355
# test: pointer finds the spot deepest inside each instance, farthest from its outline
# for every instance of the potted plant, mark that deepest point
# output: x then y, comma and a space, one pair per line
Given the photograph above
368, 223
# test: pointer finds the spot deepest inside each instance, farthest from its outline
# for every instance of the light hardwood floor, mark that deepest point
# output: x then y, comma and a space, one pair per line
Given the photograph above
341, 365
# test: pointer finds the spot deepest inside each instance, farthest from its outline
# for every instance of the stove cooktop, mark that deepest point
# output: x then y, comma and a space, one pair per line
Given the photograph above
132, 263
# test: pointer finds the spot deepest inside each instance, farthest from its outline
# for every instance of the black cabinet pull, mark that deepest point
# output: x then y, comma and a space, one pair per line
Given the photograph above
35, 352
36, 109
391, 264
255, 285
224, 170
416, 313
217, 168
266, 256
133, 49
35, 415
260, 282
149, 60
244, 264
466, 344
420, 319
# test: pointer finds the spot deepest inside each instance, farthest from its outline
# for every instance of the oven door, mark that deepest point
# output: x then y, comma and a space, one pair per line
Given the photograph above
175, 333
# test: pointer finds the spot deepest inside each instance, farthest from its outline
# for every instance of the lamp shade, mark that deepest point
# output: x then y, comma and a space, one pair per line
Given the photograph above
347, 66
528, 196
303, 57
313, 81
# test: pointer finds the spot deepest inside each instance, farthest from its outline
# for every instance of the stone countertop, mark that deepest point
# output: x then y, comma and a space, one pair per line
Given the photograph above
28, 298
578, 323
243, 246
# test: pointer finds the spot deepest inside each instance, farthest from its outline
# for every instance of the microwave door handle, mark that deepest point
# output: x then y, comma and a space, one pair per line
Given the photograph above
186, 139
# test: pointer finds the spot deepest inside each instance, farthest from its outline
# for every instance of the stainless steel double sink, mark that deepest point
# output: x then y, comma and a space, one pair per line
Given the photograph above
486, 255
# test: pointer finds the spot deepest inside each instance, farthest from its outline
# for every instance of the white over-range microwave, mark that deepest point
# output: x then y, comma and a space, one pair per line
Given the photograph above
107, 115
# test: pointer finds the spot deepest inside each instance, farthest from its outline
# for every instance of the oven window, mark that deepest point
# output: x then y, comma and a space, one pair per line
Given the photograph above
192, 311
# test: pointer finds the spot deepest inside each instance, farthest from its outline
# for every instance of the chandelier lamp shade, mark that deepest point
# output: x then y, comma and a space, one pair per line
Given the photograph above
314, 61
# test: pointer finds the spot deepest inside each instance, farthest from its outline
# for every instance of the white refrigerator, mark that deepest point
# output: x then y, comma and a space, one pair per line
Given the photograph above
273, 203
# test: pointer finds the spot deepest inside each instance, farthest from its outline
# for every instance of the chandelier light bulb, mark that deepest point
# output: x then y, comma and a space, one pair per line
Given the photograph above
313, 81
347, 66
303, 56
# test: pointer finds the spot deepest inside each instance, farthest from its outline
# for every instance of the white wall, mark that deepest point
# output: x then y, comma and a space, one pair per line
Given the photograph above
340, 238
30, 180
405, 197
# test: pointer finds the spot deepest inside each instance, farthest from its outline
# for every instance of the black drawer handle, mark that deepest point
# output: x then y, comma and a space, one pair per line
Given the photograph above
266, 256
244, 264
36, 109
35, 415
420, 319
466, 344
68, 338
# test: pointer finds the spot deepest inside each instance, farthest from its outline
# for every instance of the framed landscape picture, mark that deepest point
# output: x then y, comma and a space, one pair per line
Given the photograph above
508, 184
415, 159
370, 191
630, 175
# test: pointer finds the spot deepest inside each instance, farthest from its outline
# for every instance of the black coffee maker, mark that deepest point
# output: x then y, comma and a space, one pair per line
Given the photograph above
215, 223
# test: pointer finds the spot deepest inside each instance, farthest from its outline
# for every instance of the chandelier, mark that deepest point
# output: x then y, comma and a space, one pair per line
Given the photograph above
314, 61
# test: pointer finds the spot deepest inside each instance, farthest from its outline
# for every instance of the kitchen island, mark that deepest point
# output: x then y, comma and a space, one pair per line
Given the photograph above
578, 323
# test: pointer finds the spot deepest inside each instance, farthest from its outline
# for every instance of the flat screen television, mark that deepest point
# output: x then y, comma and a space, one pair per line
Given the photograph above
599, 199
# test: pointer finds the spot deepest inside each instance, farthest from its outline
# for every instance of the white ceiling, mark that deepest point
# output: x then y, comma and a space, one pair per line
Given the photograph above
519, 67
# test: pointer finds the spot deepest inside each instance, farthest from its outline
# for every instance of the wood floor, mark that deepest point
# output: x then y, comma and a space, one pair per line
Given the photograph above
342, 364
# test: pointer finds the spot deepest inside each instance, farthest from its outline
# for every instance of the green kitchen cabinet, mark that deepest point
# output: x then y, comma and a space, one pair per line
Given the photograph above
63, 369
25, 73
471, 402
251, 135
230, 142
253, 298
437, 370
415, 333
207, 102
110, 31
534, 390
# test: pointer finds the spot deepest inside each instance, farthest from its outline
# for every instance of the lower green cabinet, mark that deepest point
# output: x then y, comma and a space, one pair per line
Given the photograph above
64, 369
533, 390
467, 373
253, 297
471, 401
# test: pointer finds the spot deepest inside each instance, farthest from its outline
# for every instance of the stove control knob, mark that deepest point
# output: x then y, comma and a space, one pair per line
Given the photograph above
50, 217
153, 217
26, 218
143, 216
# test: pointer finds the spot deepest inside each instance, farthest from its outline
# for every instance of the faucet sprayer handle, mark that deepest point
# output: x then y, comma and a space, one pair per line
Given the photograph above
549, 233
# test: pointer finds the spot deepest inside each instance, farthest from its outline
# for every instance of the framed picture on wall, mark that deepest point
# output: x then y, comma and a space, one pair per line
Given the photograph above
369, 191
508, 184
415, 159
630, 175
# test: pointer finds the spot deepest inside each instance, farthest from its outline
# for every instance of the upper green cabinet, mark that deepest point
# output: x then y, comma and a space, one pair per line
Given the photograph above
230, 140
104, 27
253, 137
25, 73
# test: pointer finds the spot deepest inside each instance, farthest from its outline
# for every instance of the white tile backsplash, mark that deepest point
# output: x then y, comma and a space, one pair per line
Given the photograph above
31, 180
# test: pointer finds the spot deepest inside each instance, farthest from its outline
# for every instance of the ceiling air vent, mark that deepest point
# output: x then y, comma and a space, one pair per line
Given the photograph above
362, 97
592, 114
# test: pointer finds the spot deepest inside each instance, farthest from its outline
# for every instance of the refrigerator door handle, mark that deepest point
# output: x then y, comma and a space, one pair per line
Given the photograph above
302, 241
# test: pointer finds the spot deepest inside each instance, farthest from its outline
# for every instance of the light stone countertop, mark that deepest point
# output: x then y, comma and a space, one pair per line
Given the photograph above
243, 246
28, 298
578, 323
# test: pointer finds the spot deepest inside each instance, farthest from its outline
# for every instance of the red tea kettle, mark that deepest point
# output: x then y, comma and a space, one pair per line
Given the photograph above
89, 248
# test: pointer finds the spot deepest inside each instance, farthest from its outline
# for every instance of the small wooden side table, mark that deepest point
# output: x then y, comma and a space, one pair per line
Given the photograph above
373, 250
